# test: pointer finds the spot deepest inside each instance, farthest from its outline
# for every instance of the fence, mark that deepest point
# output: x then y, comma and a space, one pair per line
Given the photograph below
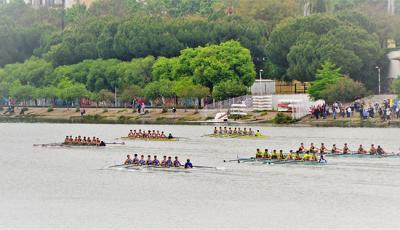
291, 87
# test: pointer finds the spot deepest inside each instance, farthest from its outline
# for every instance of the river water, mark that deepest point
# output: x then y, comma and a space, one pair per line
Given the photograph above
69, 188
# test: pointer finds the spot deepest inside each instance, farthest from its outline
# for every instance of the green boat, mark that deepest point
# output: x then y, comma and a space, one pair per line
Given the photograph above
278, 161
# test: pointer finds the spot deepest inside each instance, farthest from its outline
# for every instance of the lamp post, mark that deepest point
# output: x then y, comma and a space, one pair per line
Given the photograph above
261, 70
379, 79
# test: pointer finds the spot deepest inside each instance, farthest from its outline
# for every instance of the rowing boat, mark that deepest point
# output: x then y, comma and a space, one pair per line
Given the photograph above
76, 145
149, 139
355, 155
278, 161
236, 136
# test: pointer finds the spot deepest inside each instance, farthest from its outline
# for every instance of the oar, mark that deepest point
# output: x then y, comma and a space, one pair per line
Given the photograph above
115, 143
50, 144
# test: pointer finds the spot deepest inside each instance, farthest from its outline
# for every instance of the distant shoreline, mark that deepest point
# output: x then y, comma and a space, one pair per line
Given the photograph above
159, 117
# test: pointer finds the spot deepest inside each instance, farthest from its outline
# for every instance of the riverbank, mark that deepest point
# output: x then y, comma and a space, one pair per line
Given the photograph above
126, 116
181, 116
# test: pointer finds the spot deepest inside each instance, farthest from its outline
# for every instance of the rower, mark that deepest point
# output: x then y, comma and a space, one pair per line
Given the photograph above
346, 149
94, 142
140, 133
259, 154
215, 130
66, 141
142, 161
372, 150
280, 155
75, 140
380, 151
245, 131
84, 141
129, 160
302, 149
149, 161
235, 132
156, 162
250, 132
135, 134
169, 162
170, 136
130, 134
230, 131
225, 130
154, 134
322, 149
164, 161
266, 154
135, 159
89, 141
177, 163
291, 155
163, 135
361, 150
188, 164
220, 131
70, 139
258, 134
313, 149
158, 135
335, 150
274, 154
239, 131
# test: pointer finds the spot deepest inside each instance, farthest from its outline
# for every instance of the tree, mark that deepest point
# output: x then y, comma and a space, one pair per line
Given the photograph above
185, 89
22, 93
71, 92
131, 92
327, 75
159, 89
228, 89
344, 90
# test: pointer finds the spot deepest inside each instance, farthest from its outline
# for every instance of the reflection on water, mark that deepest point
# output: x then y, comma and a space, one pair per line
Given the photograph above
69, 188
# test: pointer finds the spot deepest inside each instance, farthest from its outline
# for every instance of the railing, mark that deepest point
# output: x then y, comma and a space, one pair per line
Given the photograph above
226, 104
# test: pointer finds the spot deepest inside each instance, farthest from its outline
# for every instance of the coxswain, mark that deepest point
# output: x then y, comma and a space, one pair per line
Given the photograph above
188, 164
177, 163
129, 160
258, 134
102, 143
215, 130
380, 151
361, 150
130, 134
372, 150
142, 160
346, 149
156, 162
135, 159
266, 154
164, 161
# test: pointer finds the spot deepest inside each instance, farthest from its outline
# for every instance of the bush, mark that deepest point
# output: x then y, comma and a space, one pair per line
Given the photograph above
77, 109
105, 110
282, 118
50, 109
164, 110
345, 90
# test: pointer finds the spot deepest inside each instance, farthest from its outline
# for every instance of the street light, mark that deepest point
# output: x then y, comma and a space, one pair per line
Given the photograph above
261, 70
379, 79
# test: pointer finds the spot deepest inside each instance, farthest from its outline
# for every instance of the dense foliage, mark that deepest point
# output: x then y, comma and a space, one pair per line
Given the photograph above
188, 48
